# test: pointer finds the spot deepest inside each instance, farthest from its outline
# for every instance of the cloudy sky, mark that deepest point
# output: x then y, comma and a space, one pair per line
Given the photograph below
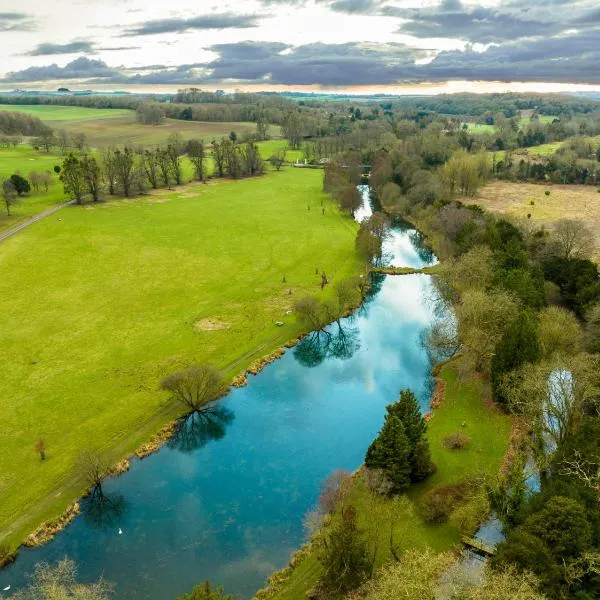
357, 45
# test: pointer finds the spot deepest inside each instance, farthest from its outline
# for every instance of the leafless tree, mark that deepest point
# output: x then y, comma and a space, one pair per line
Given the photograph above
93, 467
195, 387
575, 240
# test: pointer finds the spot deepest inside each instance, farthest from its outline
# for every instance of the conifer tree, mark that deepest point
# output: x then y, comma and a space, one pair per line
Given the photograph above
390, 452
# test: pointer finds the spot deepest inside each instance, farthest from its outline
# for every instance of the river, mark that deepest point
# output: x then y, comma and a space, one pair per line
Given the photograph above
226, 499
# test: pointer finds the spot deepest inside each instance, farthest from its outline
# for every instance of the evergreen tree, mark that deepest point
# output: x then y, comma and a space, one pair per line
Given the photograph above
344, 558
421, 464
518, 345
408, 411
390, 452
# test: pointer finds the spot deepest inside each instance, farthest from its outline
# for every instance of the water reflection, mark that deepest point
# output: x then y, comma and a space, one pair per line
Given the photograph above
339, 340
199, 428
103, 510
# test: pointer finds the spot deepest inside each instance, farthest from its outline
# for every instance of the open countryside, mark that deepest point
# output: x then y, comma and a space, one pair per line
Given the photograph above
315, 317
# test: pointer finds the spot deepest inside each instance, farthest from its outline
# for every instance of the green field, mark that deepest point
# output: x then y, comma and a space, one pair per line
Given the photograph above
101, 301
270, 147
107, 127
489, 432
69, 114
479, 128
23, 159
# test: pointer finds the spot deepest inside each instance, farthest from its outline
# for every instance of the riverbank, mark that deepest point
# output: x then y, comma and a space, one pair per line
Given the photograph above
193, 294
462, 410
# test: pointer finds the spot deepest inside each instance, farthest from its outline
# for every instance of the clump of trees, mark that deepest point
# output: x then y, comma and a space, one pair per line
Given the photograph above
150, 113
237, 160
401, 450
14, 123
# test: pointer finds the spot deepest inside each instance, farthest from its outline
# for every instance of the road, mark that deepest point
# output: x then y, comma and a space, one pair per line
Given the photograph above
4, 235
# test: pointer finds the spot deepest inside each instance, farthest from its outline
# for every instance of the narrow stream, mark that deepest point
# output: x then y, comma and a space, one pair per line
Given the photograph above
226, 499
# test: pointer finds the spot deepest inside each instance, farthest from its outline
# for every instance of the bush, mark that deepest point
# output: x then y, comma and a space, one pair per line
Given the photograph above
456, 441
6, 555
438, 504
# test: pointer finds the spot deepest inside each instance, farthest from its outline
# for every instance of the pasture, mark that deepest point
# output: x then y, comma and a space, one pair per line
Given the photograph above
463, 410
564, 202
22, 160
100, 302
479, 128
116, 127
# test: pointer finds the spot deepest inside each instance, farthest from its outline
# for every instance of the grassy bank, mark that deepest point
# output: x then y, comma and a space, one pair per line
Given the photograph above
101, 301
464, 409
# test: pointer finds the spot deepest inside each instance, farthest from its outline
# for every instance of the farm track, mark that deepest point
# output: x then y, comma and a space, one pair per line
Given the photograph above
13, 230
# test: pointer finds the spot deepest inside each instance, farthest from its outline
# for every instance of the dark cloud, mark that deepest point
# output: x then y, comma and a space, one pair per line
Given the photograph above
117, 48
354, 6
215, 21
451, 19
16, 21
71, 48
80, 68
325, 64
509, 21
564, 58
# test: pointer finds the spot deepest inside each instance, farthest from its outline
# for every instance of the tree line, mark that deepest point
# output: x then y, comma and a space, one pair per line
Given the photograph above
130, 171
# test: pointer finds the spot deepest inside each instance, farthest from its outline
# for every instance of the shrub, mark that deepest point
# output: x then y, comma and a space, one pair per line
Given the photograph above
438, 504
456, 441
547, 192
6, 555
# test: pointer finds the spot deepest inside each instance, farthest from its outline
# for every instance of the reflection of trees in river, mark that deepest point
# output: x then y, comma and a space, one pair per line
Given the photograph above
102, 510
339, 341
200, 427
417, 239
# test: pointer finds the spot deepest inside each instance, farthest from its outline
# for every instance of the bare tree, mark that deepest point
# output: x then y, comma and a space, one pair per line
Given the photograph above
34, 178
93, 467
150, 165
51, 582
164, 165
575, 240
91, 176
63, 140
73, 178
124, 163
45, 179
277, 160
219, 155
175, 162
196, 154
9, 195
196, 386
110, 169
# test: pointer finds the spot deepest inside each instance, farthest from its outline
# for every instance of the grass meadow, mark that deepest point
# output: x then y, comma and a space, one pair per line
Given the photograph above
115, 127
100, 302
489, 432
23, 159
564, 202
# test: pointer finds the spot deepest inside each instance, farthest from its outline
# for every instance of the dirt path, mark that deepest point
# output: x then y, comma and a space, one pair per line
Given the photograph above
4, 235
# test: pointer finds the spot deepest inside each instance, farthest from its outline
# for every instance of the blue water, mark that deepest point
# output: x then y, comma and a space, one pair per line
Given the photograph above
226, 499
